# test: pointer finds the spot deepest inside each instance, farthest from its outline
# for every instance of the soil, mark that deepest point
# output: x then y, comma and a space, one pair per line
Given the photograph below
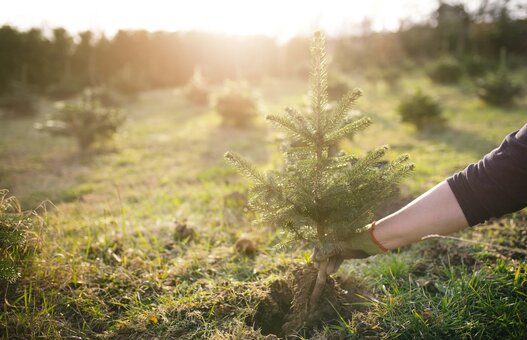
284, 310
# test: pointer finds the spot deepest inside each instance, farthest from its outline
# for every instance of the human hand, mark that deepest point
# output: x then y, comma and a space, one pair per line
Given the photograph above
360, 245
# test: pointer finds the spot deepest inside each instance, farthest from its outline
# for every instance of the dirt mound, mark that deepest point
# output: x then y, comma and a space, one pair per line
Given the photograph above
284, 310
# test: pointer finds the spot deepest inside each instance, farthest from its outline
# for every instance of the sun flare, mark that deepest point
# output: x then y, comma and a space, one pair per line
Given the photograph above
274, 18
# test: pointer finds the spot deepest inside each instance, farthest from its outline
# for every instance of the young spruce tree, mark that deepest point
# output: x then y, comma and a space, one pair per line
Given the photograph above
320, 196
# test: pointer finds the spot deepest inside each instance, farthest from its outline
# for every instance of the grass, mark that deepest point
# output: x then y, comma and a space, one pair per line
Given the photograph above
111, 267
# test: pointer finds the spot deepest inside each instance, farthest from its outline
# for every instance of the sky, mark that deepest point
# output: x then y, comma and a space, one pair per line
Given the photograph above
280, 18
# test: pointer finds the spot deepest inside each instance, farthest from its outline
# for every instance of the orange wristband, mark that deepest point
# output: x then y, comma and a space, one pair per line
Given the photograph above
381, 247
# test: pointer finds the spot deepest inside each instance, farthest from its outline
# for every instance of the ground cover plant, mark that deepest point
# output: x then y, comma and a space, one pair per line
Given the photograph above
320, 196
117, 260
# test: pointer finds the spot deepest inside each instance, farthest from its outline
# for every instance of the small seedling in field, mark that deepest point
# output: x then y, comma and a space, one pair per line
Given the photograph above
18, 238
499, 88
420, 110
319, 196
236, 104
196, 90
446, 70
86, 121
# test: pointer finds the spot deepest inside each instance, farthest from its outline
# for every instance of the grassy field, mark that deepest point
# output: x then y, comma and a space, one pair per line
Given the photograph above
113, 265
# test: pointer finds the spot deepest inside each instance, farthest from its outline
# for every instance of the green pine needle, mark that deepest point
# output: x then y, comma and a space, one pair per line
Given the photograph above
320, 193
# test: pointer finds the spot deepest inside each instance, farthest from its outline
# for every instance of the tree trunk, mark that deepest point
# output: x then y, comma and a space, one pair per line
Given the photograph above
320, 283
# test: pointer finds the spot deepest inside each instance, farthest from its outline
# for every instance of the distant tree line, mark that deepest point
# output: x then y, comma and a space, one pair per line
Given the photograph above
451, 30
146, 59
59, 64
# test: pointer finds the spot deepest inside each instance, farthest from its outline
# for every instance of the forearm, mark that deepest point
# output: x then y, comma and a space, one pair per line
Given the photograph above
434, 212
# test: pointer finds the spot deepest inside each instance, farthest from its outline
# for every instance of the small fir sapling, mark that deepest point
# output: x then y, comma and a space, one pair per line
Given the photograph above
196, 90
499, 88
420, 110
236, 104
18, 238
86, 121
446, 70
318, 197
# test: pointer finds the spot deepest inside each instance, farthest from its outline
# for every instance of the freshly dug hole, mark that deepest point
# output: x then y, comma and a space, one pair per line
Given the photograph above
284, 310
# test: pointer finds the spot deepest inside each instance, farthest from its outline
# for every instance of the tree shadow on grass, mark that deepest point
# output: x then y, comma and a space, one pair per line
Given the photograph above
251, 142
459, 140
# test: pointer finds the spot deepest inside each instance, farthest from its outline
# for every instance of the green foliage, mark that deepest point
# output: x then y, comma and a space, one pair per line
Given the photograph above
445, 70
420, 110
499, 88
17, 243
86, 121
448, 301
320, 196
196, 90
236, 104
19, 101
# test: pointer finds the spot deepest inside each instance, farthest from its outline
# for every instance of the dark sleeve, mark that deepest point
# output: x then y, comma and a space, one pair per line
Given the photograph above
497, 184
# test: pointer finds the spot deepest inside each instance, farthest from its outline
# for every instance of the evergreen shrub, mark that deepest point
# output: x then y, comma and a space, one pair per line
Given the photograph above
499, 88
236, 104
18, 239
86, 121
420, 110
446, 70
196, 90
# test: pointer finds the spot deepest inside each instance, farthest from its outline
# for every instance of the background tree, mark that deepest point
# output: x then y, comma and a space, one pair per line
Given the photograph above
86, 121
